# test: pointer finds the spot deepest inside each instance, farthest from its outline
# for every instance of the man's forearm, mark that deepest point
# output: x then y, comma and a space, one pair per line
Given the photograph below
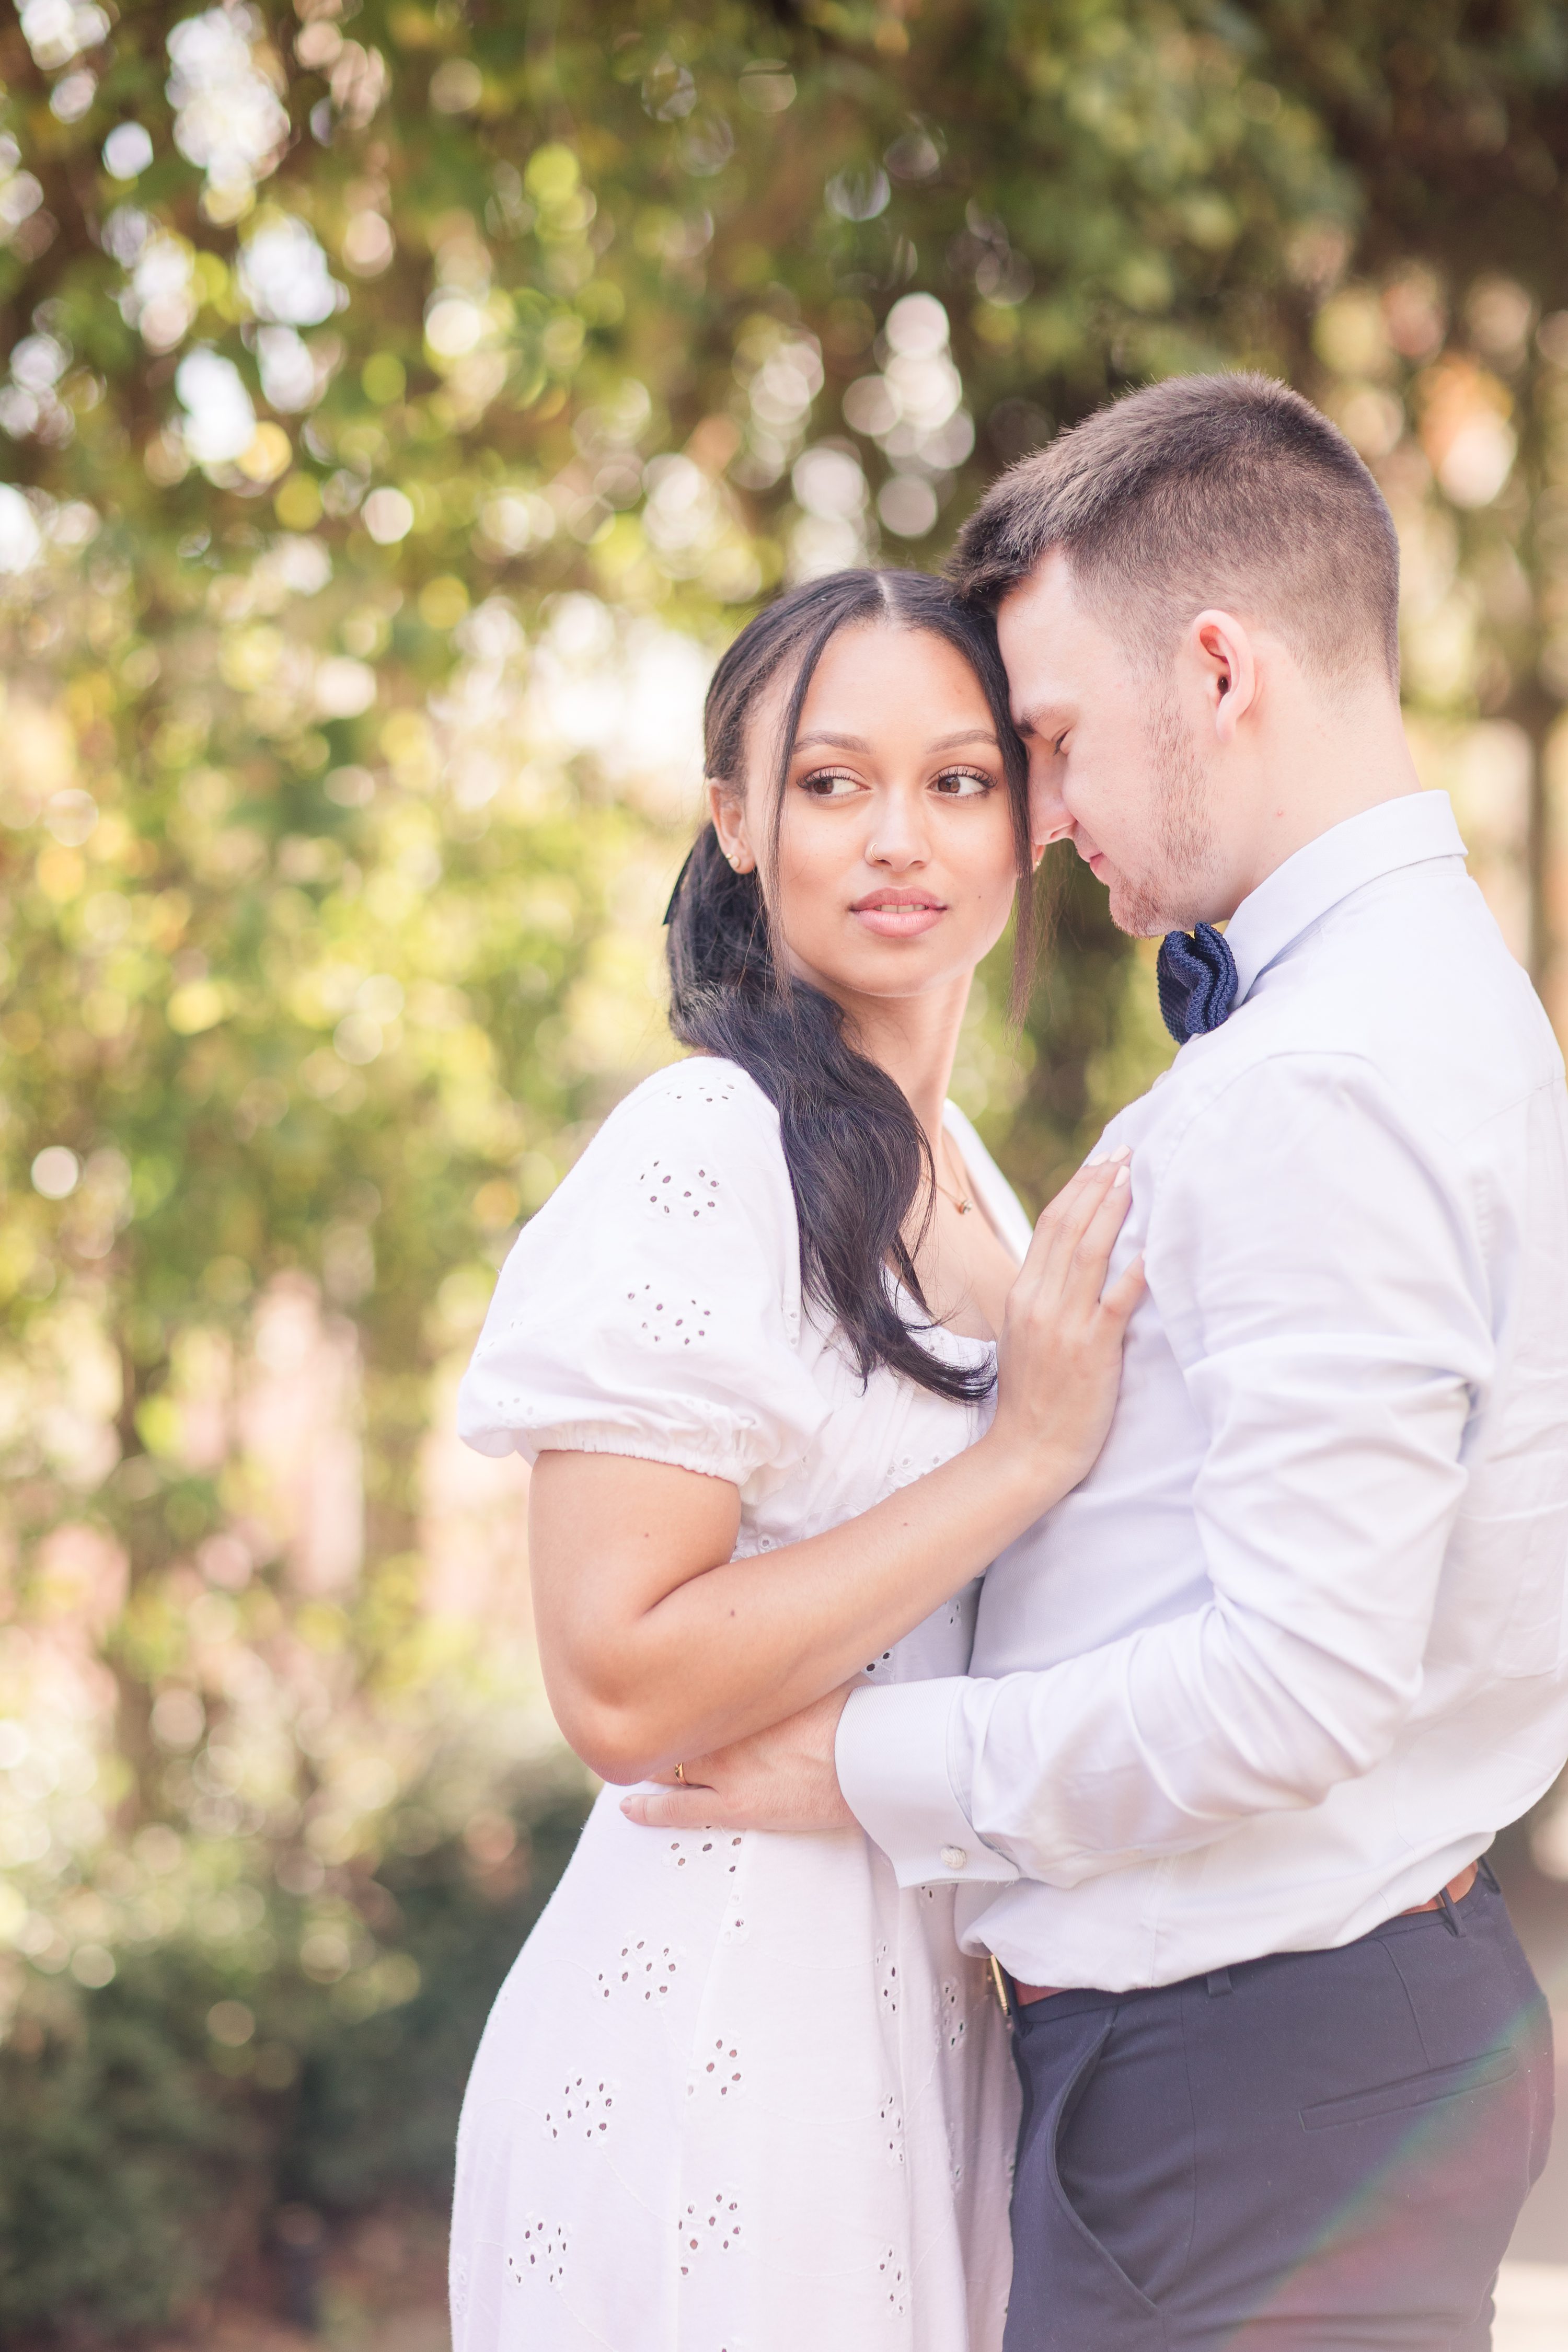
1154, 1744
891, 1754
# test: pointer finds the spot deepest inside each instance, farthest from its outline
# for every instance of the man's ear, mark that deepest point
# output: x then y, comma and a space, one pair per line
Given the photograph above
727, 811
1223, 651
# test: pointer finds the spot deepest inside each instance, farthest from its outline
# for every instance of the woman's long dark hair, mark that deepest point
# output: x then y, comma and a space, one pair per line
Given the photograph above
857, 1159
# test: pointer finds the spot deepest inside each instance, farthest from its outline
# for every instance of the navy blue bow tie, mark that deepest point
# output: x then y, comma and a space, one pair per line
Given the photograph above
1198, 981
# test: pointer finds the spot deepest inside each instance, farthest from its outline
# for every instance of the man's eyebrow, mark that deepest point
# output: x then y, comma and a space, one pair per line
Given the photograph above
1042, 720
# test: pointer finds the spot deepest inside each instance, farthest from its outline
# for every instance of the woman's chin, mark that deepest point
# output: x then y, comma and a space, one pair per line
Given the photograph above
894, 967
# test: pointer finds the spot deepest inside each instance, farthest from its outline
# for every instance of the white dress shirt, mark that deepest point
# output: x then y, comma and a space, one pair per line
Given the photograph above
1295, 1649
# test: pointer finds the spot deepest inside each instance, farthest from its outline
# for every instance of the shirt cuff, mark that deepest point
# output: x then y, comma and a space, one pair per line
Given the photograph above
891, 1755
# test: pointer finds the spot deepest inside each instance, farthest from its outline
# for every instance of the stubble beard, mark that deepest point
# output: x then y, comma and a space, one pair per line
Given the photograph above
1162, 897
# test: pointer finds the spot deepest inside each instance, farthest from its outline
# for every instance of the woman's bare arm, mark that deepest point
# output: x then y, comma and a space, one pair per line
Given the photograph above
655, 1645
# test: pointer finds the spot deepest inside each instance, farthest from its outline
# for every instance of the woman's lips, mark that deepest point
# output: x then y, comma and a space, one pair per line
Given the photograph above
899, 914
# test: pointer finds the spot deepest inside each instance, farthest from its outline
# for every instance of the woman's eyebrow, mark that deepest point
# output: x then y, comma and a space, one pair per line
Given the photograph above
858, 742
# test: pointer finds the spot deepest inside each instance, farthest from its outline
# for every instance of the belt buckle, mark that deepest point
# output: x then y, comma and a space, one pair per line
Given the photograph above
1004, 1991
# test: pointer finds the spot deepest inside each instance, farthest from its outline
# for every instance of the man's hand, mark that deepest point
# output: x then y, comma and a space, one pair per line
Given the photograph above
783, 1778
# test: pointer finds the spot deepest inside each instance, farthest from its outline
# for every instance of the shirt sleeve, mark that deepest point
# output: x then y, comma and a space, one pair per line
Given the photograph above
1317, 1267
652, 1307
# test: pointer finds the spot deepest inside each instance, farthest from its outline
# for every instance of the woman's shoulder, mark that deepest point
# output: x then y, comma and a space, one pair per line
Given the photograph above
702, 1103
652, 1306
697, 1144
703, 1091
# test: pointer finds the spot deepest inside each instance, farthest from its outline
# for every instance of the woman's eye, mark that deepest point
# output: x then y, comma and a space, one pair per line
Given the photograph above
964, 784
830, 784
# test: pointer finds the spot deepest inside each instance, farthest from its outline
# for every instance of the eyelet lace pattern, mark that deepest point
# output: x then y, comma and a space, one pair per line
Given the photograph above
708, 2226
540, 2254
677, 1191
740, 2092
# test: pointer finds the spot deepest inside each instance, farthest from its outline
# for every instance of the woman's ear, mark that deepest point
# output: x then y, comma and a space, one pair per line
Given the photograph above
727, 812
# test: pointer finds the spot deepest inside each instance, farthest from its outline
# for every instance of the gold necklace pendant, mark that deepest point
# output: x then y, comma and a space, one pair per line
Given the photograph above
961, 1201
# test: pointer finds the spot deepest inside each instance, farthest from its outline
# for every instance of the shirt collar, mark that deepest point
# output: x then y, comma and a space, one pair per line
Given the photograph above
1403, 832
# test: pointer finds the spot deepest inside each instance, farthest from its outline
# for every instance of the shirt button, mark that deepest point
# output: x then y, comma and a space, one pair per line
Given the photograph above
953, 1857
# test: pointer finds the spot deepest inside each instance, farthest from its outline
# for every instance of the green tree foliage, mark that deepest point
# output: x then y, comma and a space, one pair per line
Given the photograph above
1447, 358
398, 407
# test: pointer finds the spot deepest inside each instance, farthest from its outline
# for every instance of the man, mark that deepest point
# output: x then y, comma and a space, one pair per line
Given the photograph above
1247, 1710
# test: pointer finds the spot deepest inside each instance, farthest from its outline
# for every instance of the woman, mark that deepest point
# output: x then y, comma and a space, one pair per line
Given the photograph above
740, 2094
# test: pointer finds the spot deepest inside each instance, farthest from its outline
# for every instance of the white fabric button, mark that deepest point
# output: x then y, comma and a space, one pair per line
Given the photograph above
953, 1857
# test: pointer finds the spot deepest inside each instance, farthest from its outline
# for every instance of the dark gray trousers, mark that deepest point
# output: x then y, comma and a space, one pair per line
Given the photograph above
1316, 2152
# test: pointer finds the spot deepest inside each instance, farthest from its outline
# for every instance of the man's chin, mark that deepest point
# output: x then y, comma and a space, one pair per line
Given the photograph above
1133, 911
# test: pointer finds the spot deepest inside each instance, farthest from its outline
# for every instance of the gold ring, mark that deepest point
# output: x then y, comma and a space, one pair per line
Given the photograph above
680, 1774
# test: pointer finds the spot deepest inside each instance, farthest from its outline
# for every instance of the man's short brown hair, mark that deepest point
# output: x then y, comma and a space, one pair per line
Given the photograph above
1229, 491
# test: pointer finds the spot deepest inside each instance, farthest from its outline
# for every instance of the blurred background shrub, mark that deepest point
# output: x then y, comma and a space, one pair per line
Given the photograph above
399, 406
207, 2105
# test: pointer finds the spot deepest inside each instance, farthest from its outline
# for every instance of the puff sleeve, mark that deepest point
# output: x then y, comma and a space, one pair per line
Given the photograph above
652, 1307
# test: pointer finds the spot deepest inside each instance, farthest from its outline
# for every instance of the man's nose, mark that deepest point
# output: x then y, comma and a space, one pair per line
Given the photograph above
1048, 818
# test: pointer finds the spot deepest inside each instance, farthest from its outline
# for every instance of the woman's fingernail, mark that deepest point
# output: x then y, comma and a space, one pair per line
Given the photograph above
1123, 1176
1097, 1159
1122, 1151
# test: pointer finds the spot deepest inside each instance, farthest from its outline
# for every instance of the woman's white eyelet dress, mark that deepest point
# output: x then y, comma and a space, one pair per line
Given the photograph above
739, 2093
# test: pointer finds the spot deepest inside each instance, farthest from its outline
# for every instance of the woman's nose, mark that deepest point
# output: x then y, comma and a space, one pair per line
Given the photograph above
897, 837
